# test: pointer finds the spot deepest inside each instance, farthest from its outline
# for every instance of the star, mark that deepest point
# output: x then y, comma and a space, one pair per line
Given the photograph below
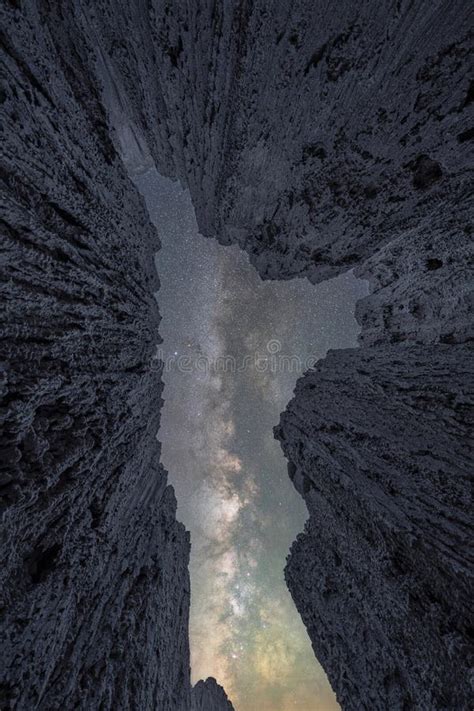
232, 487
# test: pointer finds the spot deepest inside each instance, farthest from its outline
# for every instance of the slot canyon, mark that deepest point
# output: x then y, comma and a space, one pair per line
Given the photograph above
323, 151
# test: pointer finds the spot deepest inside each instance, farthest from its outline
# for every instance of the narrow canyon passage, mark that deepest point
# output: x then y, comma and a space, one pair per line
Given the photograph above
318, 138
233, 348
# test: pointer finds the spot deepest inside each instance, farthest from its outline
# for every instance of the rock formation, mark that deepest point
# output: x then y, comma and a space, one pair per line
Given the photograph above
319, 141
378, 439
95, 588
209, 696
378, 445
310, 137
94, 579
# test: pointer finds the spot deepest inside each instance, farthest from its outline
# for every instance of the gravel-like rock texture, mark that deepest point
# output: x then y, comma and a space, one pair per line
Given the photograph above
378, 445
93, 576
309, 135
209, 696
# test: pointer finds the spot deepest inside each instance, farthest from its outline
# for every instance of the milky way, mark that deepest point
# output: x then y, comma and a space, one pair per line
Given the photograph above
234, 346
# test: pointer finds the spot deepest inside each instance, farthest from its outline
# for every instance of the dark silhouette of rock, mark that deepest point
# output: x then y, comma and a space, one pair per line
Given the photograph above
209, 696
310, 137
94, 579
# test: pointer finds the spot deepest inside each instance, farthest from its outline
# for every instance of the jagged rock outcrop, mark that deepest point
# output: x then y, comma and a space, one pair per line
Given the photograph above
310, 137
209, 696
94, 579
421, 287
378, 445
378, 439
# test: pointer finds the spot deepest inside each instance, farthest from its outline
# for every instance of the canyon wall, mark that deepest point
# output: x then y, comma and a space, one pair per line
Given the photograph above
309, 136
323, 140
378, 439
378, 445
94, 577
319, 139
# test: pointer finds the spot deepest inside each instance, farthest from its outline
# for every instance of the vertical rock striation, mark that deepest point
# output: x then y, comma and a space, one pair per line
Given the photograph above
94, 579
307, 136
378, 445
378, 439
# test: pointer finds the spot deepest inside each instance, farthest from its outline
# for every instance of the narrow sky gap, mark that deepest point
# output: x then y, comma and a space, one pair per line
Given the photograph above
233, 347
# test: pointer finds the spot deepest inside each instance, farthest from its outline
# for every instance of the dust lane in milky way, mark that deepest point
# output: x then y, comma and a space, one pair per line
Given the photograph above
233, 347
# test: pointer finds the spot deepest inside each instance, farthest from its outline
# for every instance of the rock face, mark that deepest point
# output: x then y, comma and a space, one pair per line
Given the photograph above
94, 579
319, 141
378, 439
378, 445
209, 696
310, 137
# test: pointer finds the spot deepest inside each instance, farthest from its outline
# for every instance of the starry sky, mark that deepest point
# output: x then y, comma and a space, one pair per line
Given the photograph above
233, 347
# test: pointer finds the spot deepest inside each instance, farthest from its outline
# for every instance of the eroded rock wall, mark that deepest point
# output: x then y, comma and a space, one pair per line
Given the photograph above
378, 439
309, 135
94, 579
378, 445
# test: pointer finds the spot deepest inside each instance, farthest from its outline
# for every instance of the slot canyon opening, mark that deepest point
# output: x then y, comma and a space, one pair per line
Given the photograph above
233, 347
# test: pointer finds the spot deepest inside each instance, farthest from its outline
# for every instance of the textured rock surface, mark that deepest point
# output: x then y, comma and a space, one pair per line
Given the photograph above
318, 141
378, 444
310, 137
94, 579
421, 287
209, 696
378, 439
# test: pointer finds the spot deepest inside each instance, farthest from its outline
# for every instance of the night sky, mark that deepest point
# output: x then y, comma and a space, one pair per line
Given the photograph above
234, 347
